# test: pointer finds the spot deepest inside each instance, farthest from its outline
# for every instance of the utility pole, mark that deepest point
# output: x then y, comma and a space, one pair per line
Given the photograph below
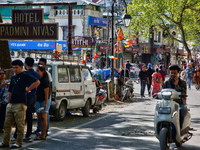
112, 43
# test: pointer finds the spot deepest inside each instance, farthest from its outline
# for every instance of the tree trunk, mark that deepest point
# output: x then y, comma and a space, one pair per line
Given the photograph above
185, 43
5, 59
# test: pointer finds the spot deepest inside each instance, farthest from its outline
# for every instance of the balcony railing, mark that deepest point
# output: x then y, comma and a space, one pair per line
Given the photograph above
64, 12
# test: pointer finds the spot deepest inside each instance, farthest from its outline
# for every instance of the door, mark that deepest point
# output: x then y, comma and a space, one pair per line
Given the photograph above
89, 85
77, 90
61, 81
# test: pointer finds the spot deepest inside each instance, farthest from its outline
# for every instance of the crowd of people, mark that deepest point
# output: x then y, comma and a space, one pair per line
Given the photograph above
154, 76
27, 89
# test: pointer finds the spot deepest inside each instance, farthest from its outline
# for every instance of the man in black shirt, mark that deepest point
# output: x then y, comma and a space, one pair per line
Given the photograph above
143, 78
128, 65
179, 85
149, 74
16, 108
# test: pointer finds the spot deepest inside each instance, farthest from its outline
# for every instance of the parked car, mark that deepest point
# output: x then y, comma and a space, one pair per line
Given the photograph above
134, 70
73, 87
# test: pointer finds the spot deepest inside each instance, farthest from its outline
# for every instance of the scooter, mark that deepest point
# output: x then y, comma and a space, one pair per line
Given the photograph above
128, 91
167, 120
101, 96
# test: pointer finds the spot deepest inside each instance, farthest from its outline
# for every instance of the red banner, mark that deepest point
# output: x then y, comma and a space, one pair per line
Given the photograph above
134, 40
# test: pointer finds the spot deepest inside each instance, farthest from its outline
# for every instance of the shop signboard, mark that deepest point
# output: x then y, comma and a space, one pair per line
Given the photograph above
96, 21
28, 24
38, 45
82, 41
103, 48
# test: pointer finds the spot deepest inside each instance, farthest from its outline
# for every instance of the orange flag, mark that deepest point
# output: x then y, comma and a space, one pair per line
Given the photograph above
120, 34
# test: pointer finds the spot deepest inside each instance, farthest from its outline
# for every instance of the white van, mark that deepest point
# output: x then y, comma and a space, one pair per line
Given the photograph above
73, 87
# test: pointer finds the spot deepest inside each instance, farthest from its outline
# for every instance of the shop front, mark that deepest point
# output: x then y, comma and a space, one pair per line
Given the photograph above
145, 52
103, 52
157, 56
166, 55
128, 54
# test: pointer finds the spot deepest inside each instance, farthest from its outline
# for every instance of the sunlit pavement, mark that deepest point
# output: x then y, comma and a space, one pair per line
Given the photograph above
129, 128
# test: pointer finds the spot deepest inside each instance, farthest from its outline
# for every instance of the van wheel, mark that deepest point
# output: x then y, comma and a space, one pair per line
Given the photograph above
86, 109
60, 113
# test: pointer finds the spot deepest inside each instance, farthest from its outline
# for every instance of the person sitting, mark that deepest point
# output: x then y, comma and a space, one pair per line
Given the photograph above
174, 82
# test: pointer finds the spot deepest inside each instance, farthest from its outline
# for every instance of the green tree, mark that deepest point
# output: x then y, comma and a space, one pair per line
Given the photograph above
184, 14
5, 59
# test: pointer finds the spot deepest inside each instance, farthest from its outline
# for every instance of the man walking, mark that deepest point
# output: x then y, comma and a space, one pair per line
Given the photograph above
128, 65
143, 78
189, 72
150, 71
16, 108
31, 99
162, 72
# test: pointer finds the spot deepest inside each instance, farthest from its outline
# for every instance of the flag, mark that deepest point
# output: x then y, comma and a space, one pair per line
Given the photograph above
112, 57
120, 35
84, 57
95, 53
128, 43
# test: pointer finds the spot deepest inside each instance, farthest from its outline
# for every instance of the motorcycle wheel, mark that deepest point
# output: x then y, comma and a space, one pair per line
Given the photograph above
163, 138
124, 95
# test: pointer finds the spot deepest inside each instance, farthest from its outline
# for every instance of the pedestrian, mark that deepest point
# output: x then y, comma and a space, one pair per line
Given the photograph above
128, 65
43, 62
16, 108
197, 77
183, 75
4, 85
42, 103
150, 71
189, 72
162, 72
155, 66
31, 99
156, 82
143, 78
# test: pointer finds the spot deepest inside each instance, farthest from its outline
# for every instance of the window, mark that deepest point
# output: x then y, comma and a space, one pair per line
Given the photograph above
63, 75
159, 36
105, 35
75, 75
65, 32
86, 74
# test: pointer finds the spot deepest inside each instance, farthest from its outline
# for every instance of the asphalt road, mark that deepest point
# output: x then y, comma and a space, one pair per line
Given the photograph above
128, 128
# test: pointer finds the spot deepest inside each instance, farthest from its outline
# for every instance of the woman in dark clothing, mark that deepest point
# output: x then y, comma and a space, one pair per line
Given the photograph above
42, 104
4, 85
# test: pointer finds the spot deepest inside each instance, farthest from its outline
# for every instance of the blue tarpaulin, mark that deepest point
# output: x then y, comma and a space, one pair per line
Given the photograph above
106, 73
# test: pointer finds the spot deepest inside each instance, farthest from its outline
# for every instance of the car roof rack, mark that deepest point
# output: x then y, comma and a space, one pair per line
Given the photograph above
64, 57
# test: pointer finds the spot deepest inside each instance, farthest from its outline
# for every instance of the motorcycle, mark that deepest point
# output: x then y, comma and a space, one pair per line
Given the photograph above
101, 96
167, 120
128, 91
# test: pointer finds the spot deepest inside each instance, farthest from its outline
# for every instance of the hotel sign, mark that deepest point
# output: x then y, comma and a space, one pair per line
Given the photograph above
27, 24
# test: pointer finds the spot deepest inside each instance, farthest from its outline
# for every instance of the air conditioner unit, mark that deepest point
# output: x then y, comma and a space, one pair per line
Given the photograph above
14, 54
24, 54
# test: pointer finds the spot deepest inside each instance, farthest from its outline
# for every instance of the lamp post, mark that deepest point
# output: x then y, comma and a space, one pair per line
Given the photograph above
127, 19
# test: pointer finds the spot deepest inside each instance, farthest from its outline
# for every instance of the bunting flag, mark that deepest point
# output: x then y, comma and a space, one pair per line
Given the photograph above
120, 35
112, 57
95, 53
84, 57
128, 43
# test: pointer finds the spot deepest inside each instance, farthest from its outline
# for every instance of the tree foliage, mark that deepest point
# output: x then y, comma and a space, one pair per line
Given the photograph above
5, 59
184, 14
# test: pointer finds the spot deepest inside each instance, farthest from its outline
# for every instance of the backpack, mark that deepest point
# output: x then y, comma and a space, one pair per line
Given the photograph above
159, 79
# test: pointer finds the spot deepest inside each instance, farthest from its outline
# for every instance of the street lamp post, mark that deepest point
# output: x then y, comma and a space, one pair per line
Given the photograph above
112, 42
